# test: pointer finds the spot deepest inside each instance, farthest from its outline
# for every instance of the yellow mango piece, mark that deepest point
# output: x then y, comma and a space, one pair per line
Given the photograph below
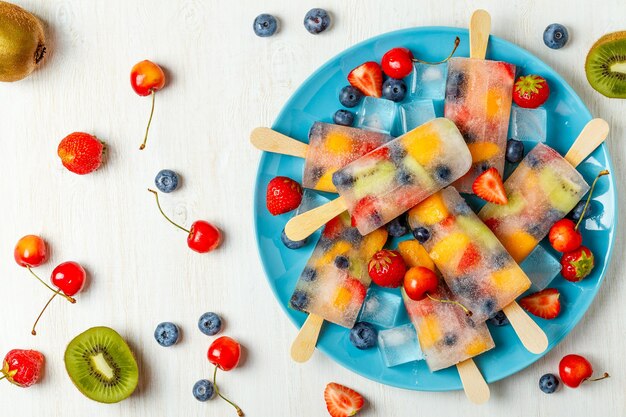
476, 347
342, 298
430, 211
338, 143
494, 103
414, 254
339, 248
325, 183
422, 144
511, 280
519, 244
450, 247
373, 242
483, 151
429, 331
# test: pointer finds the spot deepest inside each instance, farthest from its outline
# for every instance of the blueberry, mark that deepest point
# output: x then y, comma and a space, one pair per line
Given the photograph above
501, 260
350, 96
363, 335
514, 151
483, 167
462, 208
317, 172
299, 300
203, 390
166, 181
394, 89
443, 173
465, 287
292, 244
343, 117
449, 339
421, 234
555, 36
265, 25
309, 274
316, 21
397, 227
454, 88
578, 211
166, 334
342, 178
353, 236
404, 177
553, 215
342, 262
210, 323
489, 307
548, 383
532, 161
396, 152
499, 319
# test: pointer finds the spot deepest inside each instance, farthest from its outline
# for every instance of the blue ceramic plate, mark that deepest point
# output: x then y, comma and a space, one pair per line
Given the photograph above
317, 100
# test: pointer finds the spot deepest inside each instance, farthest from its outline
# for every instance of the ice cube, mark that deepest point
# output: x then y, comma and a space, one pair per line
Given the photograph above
399, 345
528, 124
541, 267
380, 307
415, 114
429, 81
377, 114
310, 200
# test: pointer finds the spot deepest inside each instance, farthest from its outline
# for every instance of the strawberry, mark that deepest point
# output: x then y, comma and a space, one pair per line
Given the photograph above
283, 195
530, 91
489, 187
577, 264
368, 78
22, 367
81, 153
544, 304
387, 268
507, 68
564, 237
364, 208
356, 288
342, 401
470, 258
333, 228
492, 223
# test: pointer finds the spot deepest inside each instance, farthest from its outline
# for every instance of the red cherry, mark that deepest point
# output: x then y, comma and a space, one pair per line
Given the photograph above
147, 78
69, 277
203, 237
30, 251
575, 369
420, 281
224, 353
564, 236
22, 367
397, 63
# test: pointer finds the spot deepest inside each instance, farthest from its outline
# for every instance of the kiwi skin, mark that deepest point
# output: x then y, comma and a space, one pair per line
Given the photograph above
22, 42
609, 50
89, 381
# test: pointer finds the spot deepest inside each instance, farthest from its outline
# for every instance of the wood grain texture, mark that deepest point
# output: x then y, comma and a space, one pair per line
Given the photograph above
223, 82
303, 345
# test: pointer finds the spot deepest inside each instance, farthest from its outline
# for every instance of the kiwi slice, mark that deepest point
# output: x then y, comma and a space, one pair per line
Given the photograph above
101, 365
606, 65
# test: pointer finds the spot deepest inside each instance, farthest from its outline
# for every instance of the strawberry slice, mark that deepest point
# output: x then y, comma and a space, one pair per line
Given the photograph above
333, 228
342, 401
471, 257
368, 78
489, 187
544, 304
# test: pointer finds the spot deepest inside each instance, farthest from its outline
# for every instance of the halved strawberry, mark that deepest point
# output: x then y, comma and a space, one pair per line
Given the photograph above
356, 288
544, 304
364, 208
471, 257
492, 223
368, 78
342, 401
333, 228
489, 187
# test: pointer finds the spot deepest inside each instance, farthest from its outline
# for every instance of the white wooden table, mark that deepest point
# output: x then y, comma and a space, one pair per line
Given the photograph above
223, 81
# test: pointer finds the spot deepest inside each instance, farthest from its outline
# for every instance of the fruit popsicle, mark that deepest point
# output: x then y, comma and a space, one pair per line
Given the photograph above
388, 181
335, 279
476, 267
446, 334
330, 147
478, 100
541, 190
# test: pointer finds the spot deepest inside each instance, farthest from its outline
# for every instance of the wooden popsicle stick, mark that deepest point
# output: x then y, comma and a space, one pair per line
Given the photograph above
480, 26
474, 385
269, 140
305, 224
533, 338
303, 346
592, 136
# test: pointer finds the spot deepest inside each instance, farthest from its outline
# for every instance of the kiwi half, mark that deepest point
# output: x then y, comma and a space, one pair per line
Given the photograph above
101, 365
606, 65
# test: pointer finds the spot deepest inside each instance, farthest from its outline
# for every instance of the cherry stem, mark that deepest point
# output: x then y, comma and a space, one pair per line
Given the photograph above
156, 195
67, 297
145, 138
441, 300
2, 377
606, 375
217, 390
33, 332
457, 41
582, 215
